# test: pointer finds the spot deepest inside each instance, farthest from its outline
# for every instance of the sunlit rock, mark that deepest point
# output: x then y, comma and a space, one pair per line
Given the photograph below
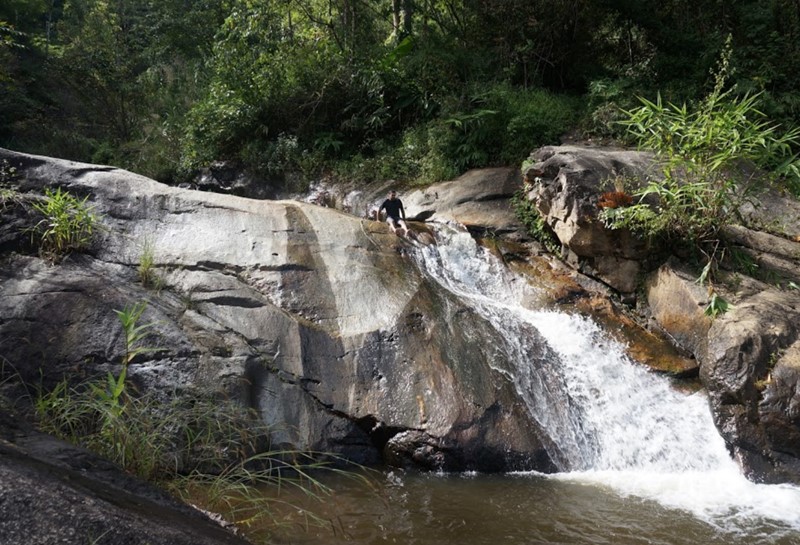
565, 184
317, 319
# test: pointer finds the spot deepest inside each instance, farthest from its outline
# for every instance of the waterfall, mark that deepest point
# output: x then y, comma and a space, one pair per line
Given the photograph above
613, 423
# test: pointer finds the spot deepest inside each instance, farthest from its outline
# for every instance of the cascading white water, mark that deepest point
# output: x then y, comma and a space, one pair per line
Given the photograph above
615, 425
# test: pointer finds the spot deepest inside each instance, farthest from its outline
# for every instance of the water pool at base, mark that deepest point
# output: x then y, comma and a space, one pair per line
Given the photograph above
517, 509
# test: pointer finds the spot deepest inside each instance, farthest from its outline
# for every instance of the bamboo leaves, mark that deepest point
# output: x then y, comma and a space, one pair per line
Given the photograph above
68, 224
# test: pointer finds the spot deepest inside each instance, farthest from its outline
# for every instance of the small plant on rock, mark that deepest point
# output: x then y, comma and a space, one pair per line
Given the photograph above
147, 267
206, 449
68, 224
534, 223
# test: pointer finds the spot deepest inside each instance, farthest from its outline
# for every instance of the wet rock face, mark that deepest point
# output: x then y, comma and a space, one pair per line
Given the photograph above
779, 409
749, 365
752, 373
318, 320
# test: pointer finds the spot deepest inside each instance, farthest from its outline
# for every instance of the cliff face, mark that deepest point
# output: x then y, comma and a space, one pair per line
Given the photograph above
318, 320
748, 356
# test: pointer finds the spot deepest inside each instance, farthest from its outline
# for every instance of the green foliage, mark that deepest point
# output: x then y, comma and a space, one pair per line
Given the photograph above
531, 118
607, 101
164, 88
716, 306
535, 224
8, 172
494, 125
96, 414
133, 332
703, 152
146, 269
68, 224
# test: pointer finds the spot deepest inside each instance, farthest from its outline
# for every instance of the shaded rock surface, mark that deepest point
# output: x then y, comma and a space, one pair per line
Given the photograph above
752, 373
748, 363
53, 492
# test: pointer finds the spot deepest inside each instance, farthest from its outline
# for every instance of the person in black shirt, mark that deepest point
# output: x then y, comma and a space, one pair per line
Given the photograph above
395, 213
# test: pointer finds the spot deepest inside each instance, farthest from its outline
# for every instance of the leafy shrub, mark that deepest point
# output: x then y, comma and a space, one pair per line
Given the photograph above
607, 100
499, 124
531, 118
496, 125
535, 224
702, 151
214, 127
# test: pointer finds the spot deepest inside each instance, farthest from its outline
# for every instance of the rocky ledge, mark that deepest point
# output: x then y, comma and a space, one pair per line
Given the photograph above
54, 492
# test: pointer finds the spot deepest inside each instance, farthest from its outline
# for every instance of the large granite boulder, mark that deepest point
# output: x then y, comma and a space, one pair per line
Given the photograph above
317, 319
752, 373
479, 200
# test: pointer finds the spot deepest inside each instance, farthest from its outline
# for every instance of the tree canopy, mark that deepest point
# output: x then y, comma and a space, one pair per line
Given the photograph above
412, 89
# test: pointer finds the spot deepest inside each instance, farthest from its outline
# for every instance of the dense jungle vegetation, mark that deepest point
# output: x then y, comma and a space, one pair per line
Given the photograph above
415, 90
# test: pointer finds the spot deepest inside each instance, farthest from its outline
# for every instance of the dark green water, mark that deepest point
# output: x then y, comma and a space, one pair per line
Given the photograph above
420, 509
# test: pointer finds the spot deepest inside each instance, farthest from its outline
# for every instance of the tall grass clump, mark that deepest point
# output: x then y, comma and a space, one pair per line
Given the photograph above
67, 225
206, 449
146, 269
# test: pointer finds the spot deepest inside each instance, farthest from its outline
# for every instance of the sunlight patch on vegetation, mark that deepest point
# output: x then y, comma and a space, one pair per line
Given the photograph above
714, 156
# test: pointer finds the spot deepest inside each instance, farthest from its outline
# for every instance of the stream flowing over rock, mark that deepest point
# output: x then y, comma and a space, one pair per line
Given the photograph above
748, 356
323, 323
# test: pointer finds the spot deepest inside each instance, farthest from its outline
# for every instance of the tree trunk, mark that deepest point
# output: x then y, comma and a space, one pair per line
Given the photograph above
402, 13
